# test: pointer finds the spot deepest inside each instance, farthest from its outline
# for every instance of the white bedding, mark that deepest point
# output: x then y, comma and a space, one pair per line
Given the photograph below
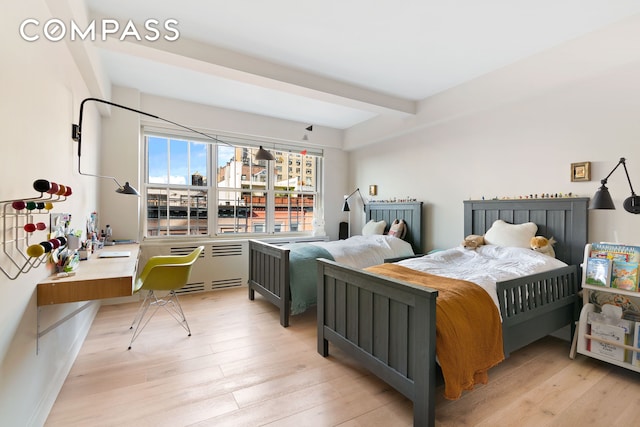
365, 251
484, 266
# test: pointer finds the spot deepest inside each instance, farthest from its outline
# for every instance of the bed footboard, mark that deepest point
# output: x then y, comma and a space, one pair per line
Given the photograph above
388, 326
269, 276
535, 306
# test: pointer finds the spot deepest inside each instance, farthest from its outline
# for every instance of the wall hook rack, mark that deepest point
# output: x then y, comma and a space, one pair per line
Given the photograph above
19, 227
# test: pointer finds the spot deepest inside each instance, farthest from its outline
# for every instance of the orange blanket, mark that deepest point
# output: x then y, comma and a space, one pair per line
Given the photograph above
468, 327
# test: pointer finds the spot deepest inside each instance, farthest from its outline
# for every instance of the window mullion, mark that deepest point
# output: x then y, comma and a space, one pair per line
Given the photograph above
212, 190
270, 208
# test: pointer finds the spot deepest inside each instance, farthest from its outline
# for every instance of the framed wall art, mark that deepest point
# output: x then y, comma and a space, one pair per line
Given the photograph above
581, 171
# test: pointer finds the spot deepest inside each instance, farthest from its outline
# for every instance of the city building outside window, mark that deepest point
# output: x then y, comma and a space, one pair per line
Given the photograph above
195, 187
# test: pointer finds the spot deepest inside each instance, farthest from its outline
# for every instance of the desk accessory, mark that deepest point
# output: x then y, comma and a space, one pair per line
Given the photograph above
114, 254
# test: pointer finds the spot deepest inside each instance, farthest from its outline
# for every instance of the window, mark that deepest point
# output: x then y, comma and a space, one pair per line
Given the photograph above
176, 187
187, 195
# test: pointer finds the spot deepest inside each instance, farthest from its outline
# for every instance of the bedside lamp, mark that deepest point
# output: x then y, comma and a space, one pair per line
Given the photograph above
602, 199
346, 208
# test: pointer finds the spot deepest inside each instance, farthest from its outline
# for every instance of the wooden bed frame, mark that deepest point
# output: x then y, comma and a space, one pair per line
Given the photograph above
388, 326
269, 264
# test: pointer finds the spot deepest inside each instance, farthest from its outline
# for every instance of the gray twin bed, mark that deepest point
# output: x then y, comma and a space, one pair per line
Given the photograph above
389, 326
272, 268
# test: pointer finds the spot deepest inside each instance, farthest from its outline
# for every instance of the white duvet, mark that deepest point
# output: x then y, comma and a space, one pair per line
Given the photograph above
365, 251
484, 266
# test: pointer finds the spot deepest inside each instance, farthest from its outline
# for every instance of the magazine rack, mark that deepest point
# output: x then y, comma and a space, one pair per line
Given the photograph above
618, 343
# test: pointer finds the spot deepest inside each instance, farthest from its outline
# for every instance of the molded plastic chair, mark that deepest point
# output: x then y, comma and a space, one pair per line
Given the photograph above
163, 273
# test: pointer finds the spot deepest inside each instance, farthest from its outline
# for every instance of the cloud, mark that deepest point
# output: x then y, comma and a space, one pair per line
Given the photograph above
175, 179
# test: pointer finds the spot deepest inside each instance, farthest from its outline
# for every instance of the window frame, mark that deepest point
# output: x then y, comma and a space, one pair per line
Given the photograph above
212, 189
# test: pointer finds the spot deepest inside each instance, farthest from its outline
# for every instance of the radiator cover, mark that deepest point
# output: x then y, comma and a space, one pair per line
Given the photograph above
223, 263
220, 265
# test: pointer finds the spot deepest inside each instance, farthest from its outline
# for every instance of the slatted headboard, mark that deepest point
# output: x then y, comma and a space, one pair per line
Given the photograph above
410, 212
564, 219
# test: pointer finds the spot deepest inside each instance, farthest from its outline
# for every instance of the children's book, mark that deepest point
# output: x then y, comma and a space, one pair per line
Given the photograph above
598, 272
615, 252
624, 275
613, 334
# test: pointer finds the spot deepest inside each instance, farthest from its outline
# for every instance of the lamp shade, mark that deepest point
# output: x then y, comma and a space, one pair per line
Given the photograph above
263, 154
345, 207
602, 199
127, 189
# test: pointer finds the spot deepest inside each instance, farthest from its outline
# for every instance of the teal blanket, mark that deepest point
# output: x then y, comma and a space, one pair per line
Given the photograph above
303, 274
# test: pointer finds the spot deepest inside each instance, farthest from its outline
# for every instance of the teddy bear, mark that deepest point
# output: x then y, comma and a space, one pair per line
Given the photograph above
472, 241
543, 245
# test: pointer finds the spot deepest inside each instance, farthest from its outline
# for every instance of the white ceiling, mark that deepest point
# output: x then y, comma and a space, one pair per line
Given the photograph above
336, 63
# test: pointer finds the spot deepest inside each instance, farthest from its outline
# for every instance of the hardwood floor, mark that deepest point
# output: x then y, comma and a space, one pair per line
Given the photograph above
241, 368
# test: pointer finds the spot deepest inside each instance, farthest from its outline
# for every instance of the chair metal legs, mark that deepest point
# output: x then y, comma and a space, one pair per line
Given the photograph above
169, 302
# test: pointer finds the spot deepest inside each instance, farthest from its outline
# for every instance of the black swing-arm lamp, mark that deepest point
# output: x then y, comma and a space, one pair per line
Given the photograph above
345, 207
76, 135
602, 198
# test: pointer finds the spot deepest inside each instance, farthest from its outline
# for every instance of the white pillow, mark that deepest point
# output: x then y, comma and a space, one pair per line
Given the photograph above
510, 235
373, 227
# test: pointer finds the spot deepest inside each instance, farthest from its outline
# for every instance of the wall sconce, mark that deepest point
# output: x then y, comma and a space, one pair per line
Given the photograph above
76, 135
373, 190
308, 129
602, 198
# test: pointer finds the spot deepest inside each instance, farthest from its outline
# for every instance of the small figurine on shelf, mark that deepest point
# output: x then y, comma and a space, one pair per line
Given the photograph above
108, 236
85, 250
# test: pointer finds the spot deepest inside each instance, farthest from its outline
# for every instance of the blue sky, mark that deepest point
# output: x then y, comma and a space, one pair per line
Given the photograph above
180, 170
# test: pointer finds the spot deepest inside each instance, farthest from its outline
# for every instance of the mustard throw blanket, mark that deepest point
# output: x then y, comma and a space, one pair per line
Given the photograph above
468, 327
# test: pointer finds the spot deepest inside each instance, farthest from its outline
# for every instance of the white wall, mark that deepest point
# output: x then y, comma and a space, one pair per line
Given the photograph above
119, 157
41, 93
516, 148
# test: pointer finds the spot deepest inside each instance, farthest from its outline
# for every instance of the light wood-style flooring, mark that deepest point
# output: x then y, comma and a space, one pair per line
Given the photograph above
241, 368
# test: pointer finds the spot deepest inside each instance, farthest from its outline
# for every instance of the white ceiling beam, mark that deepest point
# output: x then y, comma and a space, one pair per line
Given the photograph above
224, 63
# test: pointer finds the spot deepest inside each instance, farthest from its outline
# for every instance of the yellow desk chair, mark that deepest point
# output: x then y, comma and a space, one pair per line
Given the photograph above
163, 273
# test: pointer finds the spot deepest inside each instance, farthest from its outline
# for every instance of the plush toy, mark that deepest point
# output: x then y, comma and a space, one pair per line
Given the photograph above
543, 245
398, 229
472, 241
